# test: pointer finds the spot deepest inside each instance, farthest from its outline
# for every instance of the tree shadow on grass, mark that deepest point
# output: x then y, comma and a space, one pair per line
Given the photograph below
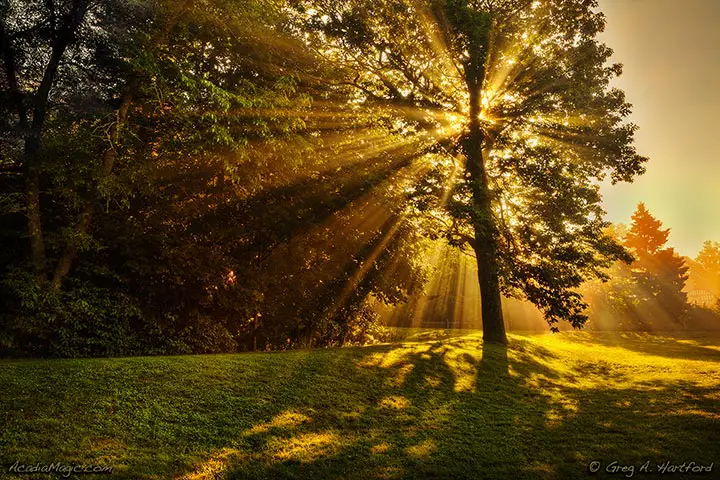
692, 346
456, 410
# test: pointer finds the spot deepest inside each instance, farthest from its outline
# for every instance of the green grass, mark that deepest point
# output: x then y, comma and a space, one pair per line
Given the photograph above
433, 406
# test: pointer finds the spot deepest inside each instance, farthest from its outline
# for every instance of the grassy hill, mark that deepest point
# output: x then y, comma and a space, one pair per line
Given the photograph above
431, 406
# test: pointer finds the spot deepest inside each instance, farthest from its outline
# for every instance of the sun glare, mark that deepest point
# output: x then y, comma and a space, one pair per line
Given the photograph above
455, 121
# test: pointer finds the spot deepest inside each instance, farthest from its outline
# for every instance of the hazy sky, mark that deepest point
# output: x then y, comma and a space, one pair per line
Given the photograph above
671, 53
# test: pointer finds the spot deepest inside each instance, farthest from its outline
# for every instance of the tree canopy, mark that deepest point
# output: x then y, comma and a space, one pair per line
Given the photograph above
517, 96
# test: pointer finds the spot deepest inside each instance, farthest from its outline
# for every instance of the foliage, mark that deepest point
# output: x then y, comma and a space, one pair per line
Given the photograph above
659, 273
704, 270
84, 321
179, 163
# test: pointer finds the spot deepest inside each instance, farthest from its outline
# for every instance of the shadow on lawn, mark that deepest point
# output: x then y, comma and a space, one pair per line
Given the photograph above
691, 346
452, 409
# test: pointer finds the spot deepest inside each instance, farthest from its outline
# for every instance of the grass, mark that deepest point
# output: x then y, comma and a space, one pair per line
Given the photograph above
435, 405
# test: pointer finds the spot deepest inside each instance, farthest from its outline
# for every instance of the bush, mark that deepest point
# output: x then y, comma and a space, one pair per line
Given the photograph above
82, 321
703, 318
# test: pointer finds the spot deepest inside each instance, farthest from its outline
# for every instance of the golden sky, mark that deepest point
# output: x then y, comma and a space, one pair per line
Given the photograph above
671, 53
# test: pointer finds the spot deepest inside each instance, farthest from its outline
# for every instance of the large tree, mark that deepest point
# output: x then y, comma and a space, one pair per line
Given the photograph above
515, 95
35, 39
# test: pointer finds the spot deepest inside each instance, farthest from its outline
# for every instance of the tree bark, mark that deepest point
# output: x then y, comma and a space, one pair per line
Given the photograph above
31, 162
32, 179
82, 226
109, 156
484, 224
61, 39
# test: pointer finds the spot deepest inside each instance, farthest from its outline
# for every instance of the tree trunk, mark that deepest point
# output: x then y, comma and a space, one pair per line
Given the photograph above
83, 225
32, 211
31, 148
484, 226
31, 163
61, 39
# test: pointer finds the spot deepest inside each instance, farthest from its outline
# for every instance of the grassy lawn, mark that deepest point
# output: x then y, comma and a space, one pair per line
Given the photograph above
434, 405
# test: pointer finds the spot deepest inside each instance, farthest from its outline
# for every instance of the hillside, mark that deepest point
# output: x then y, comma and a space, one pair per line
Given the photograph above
434, 405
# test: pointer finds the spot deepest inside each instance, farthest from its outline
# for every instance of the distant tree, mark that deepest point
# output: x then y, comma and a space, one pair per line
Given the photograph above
709, 256
645, 237
708, 259
659, 272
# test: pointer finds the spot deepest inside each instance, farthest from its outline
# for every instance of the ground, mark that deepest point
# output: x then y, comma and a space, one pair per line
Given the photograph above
432, 405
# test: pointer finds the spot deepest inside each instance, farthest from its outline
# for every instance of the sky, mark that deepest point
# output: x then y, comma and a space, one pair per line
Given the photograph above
670, 50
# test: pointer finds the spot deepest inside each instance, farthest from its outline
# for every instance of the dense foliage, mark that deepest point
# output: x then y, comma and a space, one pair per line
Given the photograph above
185, 198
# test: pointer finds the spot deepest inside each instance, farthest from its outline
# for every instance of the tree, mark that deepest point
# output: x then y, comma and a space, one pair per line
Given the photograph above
708, 259
66, 64
645, 237
658, 271
516, 95
59, 24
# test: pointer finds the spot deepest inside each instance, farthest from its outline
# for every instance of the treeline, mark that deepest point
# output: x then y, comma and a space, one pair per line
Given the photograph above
170, 183
659, 290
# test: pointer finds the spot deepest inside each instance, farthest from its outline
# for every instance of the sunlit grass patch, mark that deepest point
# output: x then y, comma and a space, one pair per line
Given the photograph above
421, 450
305, 447
215, 465
287, 419
395, 402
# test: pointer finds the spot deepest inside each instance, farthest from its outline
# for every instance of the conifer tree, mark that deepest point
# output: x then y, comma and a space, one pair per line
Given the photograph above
659, 272
709, 259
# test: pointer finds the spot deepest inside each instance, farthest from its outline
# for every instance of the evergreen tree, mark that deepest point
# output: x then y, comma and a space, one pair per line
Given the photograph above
708, 259
645, 236
658, 271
